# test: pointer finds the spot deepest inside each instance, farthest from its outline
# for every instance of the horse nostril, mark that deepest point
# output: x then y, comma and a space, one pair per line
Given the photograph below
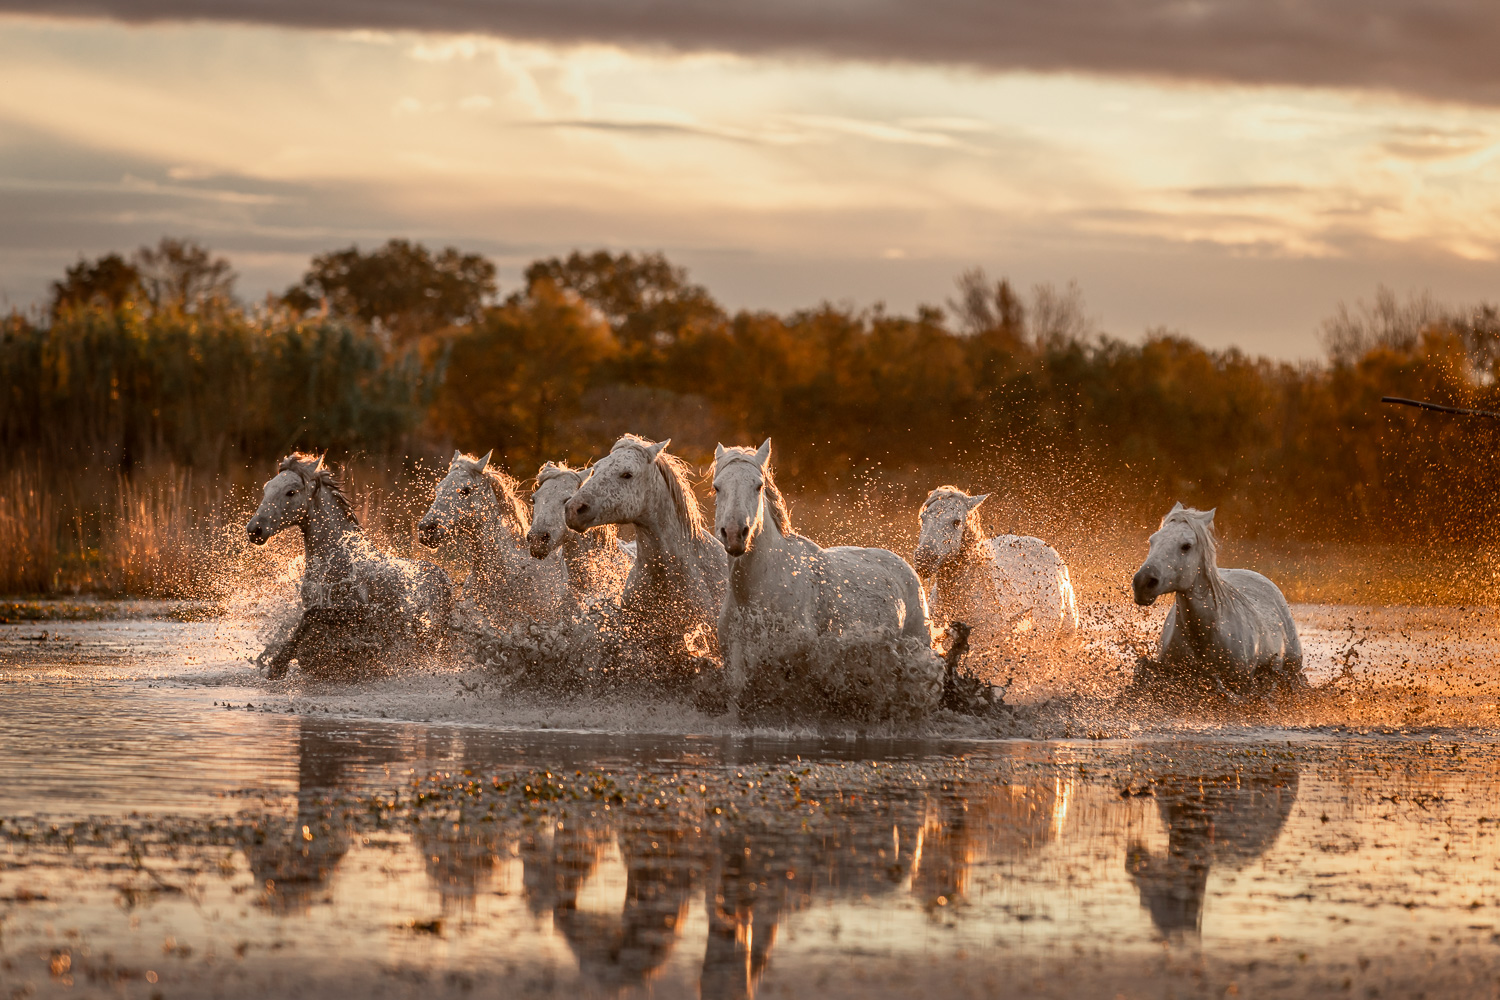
1152, 582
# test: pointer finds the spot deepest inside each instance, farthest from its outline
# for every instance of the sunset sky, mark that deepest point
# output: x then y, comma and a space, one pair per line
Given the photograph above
1231, 169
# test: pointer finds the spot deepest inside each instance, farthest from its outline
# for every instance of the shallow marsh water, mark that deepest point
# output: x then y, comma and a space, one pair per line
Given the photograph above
171, 824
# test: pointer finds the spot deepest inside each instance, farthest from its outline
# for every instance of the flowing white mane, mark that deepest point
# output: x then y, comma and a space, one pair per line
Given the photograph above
775, 502
677, 476
319, 476
557, 470
507, 489
1206, 542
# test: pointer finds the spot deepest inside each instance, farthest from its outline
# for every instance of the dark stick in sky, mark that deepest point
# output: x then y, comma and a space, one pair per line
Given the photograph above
1420, 404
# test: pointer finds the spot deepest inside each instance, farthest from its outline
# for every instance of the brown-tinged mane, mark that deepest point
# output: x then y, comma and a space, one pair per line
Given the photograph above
319, 476
775, 502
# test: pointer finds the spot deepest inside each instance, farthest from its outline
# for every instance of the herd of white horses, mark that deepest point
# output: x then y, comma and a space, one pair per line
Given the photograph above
758, 612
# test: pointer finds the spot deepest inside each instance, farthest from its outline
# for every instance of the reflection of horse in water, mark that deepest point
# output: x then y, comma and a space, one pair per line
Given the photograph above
614, 950
970, 824
759, 876
293, 858
1225, 820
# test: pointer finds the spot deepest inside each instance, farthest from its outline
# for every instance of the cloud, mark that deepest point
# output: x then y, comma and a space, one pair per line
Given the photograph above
1440, 49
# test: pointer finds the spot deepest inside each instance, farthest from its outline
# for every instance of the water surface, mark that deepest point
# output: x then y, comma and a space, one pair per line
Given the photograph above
170, 824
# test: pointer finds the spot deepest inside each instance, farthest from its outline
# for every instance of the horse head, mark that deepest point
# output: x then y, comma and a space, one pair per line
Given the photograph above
1183, 550
287, 496
555, 486
467, 497
740, 487
946, 515
617, 491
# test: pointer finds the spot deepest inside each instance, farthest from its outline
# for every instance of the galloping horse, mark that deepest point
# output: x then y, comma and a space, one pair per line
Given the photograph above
1230, 629
677, 583
596, 564
851, 602
1007, 588
348, 585
479, 505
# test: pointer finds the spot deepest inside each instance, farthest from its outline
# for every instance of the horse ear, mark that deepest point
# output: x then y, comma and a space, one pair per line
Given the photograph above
973, 502
319, 466
485, 461
1208, 515
1176, 507
652, 450
763, 453
718, 451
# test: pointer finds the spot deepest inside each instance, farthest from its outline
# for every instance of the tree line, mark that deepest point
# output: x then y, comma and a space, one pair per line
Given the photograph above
401, 352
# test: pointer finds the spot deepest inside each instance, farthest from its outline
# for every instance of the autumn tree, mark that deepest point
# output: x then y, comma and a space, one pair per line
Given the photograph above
655, 313
108, 282
515, 378
402, 291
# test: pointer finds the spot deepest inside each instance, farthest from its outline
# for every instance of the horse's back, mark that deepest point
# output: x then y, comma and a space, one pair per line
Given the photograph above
1026, 569
865, 585
1268, 608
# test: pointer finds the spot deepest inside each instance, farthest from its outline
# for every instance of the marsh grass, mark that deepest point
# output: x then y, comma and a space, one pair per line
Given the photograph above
167, 531
171, 532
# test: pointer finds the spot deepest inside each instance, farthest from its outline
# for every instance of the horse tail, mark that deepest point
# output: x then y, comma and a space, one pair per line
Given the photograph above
1069, 601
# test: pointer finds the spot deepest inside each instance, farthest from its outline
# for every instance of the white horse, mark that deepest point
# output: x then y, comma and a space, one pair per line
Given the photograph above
597, 562
1007, 588
858, 614
350, 589
479, 506
676, 585
1230, 629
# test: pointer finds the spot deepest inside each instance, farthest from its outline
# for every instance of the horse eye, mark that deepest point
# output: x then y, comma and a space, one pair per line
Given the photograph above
759, 487
463, 491
957, 522
625, 475
1187, 546
291, 493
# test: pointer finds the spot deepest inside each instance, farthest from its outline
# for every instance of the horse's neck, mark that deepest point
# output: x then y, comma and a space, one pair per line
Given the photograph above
326, 527
582, 553
767, 551
974, 555
661, 538
495, 549
1202, 604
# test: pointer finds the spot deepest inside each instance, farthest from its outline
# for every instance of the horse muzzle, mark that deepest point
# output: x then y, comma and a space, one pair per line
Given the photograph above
430, 533
735, 538
540, 543
257, 533
579, 514
925, 560
1147, 586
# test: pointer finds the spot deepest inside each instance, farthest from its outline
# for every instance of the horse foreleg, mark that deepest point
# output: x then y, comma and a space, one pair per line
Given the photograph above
277, 659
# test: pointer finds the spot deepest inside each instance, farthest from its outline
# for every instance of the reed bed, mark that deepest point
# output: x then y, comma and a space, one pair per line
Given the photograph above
171, 532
